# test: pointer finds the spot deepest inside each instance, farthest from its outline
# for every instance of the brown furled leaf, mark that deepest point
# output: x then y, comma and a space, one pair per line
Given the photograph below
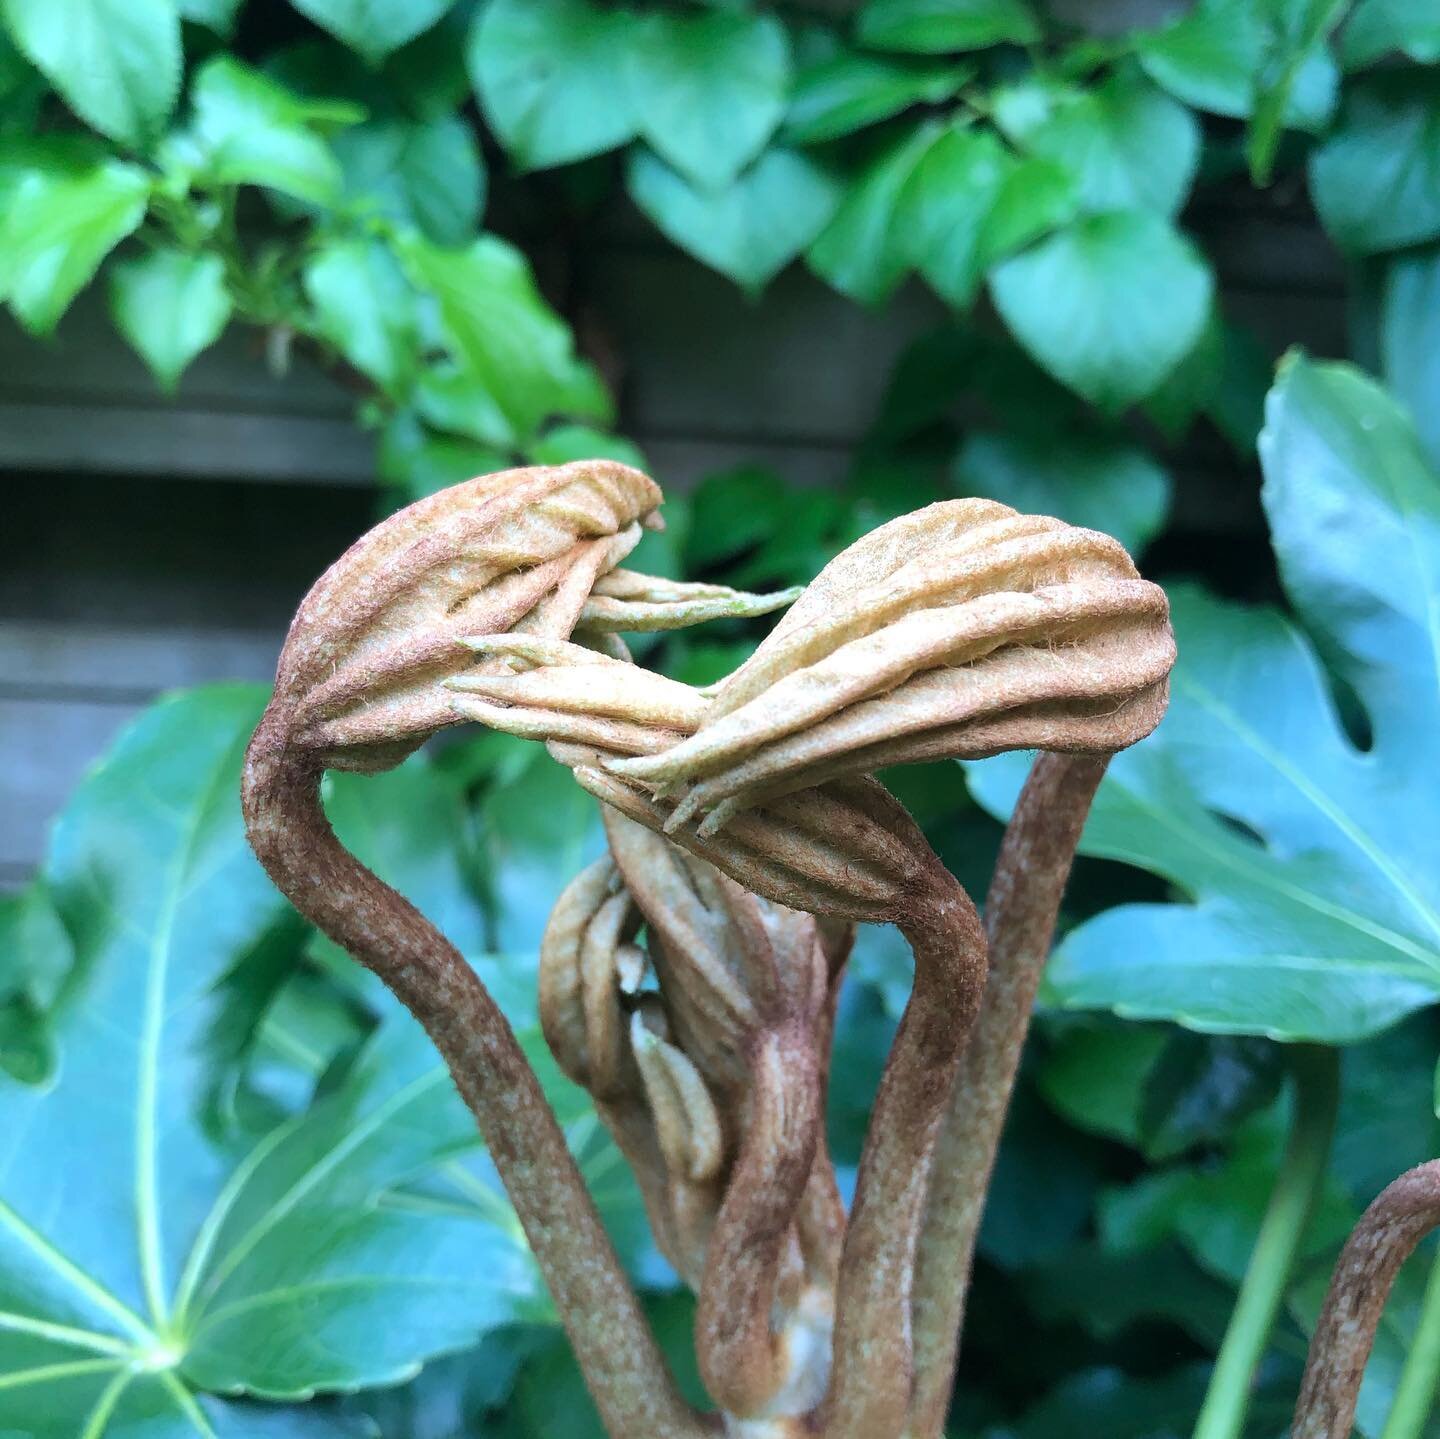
961, 630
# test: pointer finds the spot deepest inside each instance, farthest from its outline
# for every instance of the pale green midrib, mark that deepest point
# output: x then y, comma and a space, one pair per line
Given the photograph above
209, 1230
66, 1267
64, 1334
316, 1172
497, 1210
1311, 962
147, 1198
1305, 898
46, 1373
1357, 836
340, 1282
106, 1405
186, 1401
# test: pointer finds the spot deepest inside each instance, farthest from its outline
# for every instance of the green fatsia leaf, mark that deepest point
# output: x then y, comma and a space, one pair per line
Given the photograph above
1312, 867
550, 75
749, 230
709, 89
409, 825
374, 27
116, 63
141, 1264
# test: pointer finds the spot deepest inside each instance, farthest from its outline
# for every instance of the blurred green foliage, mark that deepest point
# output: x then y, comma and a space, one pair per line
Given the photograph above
233, 1177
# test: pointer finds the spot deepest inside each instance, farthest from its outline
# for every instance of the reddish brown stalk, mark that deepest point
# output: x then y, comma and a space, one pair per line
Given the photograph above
870, 1391
1403, 1214
746, 1365
288, 828
1020, 913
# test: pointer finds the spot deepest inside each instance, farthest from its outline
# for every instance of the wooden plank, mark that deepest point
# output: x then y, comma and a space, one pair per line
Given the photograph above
190, 444
48, 745
89, 661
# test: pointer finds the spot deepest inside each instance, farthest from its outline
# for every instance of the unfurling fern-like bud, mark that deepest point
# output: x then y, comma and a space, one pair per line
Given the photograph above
961, 630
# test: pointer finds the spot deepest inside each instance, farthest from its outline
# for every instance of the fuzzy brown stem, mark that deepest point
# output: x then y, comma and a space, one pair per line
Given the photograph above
1021, 908
1403, 1214
744, 1362
870, 1391
294, 841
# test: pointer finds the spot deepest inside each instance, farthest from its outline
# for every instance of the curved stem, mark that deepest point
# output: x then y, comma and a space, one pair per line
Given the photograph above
1020, 913
1409, 1416
744, 1362
292, 837
1403, 1214
871, 1389
1316, 1072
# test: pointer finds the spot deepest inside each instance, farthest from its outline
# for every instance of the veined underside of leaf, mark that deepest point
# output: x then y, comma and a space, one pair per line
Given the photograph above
146, 1268
1311, 863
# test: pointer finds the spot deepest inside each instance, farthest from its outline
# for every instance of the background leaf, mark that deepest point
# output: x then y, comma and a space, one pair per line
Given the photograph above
64, 212
550, 74
1376, 180
115, 62
374, 27
1310, 867
1108, 305
937, 25
709, 89
749, 231
251, 130
170, 305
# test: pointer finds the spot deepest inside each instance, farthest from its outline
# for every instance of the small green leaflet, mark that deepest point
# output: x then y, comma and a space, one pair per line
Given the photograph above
170, 305
1312, 867
498, 326
1094, 480
63, 208
851, 90
750, 230
251, 130
140, 1264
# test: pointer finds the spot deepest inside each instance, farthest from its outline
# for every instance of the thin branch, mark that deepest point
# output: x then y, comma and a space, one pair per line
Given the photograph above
294, 841
1403, 1214
744, 1362
871, 1388
1020, 913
